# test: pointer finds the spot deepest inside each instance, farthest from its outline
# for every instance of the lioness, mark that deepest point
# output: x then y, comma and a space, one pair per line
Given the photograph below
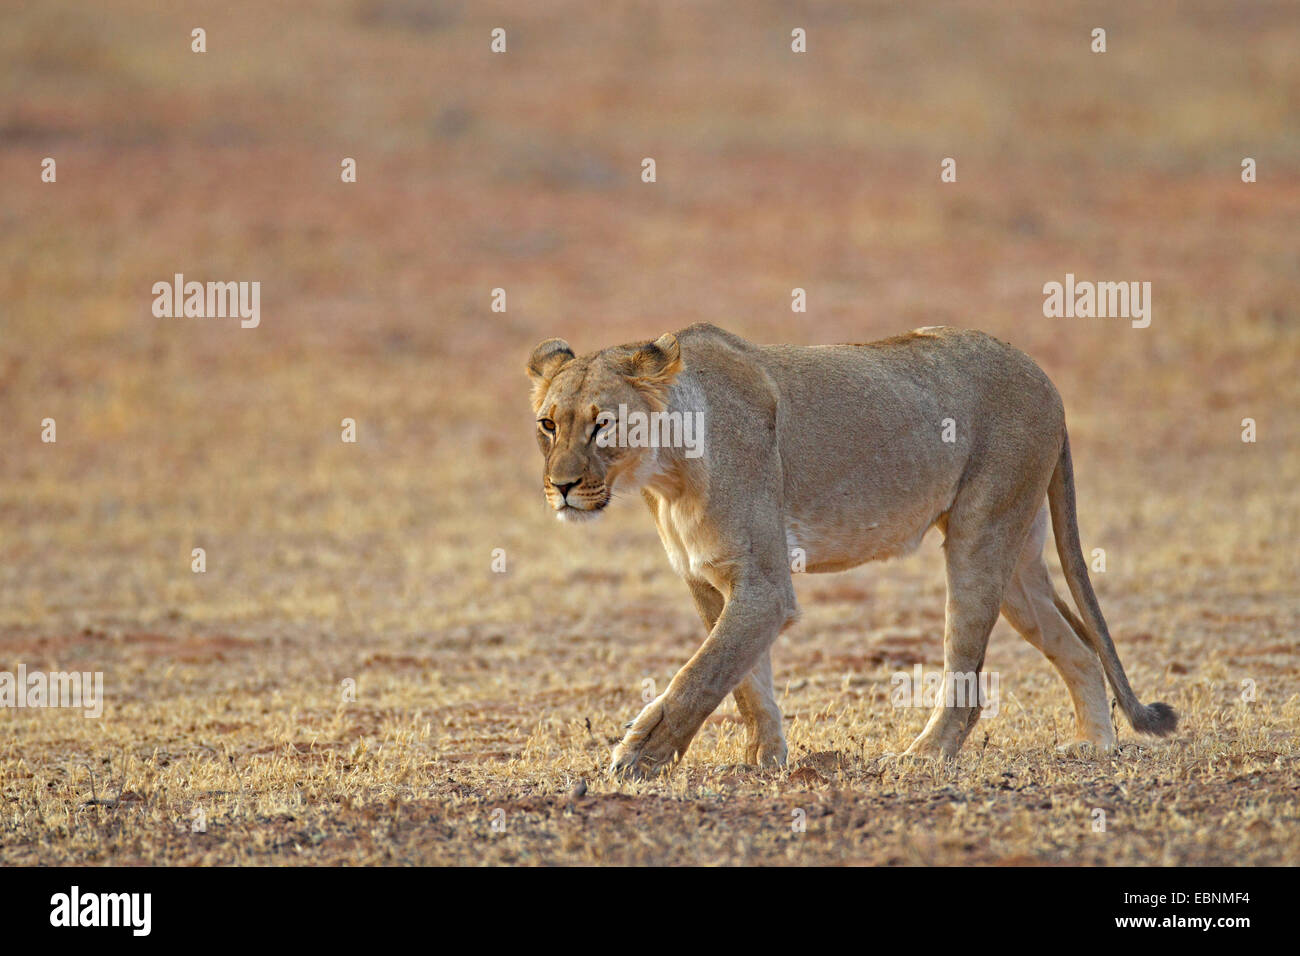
849, 453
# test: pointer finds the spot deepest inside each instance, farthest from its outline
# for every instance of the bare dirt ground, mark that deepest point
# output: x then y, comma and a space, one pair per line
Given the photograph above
482, 699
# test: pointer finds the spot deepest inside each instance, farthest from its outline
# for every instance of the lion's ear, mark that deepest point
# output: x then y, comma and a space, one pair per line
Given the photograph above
654, 366
547, 359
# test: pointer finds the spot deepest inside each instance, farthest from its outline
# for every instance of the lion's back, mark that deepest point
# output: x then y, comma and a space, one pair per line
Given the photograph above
857, 392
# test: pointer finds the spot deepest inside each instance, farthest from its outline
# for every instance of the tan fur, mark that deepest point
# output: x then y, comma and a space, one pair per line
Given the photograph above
837, 451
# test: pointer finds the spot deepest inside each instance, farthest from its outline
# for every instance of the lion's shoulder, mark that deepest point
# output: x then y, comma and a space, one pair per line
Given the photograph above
705, 333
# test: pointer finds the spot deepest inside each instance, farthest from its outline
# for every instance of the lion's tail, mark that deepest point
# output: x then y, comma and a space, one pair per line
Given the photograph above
1157, 718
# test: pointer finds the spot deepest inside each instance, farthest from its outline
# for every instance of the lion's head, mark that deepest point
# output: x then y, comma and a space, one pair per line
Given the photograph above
577, 402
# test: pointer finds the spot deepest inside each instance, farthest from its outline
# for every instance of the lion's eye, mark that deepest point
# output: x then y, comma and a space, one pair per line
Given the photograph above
548, 426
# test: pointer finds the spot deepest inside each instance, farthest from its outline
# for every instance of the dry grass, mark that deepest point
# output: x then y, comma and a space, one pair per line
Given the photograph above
478, 691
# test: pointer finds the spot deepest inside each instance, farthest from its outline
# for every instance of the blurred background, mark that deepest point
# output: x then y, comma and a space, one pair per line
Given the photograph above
522, 171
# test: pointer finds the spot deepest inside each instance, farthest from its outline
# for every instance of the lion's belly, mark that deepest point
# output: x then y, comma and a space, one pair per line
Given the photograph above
830, 538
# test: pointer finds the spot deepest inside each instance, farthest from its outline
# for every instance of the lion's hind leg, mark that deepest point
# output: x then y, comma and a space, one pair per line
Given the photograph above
1030, 605
985, 530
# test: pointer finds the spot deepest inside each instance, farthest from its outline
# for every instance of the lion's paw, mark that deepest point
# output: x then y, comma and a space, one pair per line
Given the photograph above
909, 760
649, 746
766, 754
1084, 749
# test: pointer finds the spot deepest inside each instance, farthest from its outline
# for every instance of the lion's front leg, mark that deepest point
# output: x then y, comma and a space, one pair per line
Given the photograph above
755, 695
756, 700
750, 622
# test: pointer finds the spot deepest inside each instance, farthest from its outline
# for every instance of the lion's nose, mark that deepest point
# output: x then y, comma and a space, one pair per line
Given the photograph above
563, 487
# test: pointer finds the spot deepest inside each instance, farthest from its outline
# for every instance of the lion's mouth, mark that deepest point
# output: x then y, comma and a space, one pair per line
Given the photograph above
568, 512
581, 510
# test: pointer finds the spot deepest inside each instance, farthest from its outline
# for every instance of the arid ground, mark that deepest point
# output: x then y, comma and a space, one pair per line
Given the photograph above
486, 701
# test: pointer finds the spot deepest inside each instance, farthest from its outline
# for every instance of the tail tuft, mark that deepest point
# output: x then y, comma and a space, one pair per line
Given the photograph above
1158, 719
